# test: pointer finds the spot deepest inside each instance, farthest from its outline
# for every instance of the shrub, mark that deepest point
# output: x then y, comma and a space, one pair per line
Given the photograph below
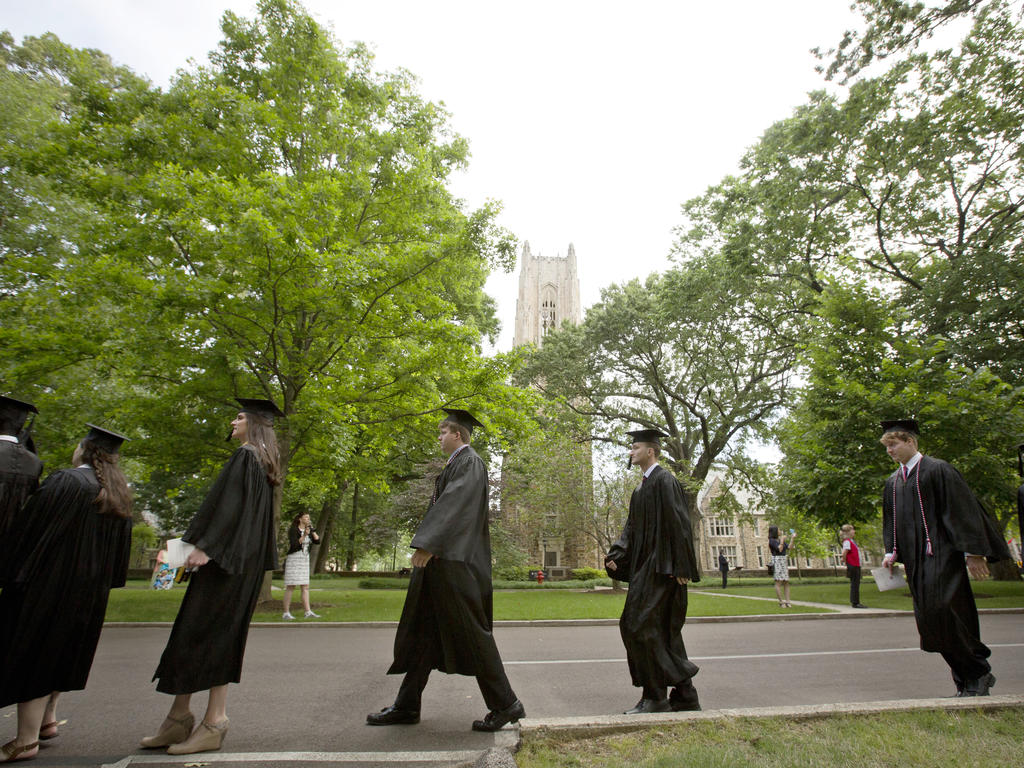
512, 573
586, 574
570, 584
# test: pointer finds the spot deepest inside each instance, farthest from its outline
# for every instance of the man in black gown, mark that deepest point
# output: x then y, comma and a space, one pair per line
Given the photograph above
934, 525
20, 468
655, 554
446, 623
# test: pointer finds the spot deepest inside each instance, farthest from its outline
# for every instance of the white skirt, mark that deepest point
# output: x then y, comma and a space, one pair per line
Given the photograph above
296, 569
780, 568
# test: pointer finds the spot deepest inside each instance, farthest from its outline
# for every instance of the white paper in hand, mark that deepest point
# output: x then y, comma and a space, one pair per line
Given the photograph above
886, 579
177, 552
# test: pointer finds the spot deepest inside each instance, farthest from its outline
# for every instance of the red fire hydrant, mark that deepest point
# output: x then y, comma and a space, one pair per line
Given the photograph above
540, 577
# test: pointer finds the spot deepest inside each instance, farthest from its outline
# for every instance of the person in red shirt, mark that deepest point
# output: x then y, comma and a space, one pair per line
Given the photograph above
851, 556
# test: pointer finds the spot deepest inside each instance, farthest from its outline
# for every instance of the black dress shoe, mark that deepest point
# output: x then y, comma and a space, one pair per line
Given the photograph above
393, 716
648, 706
859, 605
980, 686
496, 719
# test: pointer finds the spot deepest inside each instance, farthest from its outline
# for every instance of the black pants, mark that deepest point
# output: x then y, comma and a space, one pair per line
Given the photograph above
853, 574
494, 685
725, 578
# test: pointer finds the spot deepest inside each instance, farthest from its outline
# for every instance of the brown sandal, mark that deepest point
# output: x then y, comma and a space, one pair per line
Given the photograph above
13, 752
48, 731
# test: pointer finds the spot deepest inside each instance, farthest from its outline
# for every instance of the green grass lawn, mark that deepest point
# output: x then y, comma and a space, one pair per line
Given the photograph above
343, 600
987, 594
930, 739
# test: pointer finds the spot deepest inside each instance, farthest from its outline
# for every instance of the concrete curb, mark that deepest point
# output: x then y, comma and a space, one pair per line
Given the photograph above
860, 614
604, 724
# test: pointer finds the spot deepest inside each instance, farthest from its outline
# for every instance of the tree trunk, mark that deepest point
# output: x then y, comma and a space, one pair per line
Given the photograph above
695, 519
325, 527
350, 553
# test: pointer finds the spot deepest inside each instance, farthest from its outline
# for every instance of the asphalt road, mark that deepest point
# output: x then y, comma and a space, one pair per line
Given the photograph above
307, 689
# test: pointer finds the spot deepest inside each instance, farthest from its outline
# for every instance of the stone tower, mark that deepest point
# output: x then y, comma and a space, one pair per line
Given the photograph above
549, 293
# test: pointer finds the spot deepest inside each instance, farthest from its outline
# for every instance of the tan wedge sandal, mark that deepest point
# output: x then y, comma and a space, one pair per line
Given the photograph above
177, 731
205, 738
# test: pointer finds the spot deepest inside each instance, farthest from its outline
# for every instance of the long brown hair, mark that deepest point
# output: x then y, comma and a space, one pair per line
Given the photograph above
260, 435
115, 497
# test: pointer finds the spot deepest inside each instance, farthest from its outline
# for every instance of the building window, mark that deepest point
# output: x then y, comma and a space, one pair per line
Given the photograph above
548, 313
718, 526
807, 562
730, 555
550, 559
760, 557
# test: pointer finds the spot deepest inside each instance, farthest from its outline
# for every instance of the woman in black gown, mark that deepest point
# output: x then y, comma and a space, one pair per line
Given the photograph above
66, 548
233, 535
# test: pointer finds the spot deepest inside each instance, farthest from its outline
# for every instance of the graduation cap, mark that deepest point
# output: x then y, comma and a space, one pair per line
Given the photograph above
104, 438
264, 408
14, 412
644, 436
901, 425
647, 436
462, 418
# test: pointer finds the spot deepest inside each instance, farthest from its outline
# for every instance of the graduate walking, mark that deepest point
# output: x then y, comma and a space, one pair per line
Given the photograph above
447, 622
934, 525
655, 555
233, 535
20, 468
64, 552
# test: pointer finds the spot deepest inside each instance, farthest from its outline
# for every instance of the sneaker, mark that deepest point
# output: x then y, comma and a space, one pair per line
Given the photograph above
311, 615
287, 616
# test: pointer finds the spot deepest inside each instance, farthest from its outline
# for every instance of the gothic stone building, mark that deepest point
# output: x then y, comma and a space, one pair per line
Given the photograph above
549, 294
745, 544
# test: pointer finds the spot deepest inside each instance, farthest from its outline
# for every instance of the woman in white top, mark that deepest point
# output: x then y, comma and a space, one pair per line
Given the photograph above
296, 566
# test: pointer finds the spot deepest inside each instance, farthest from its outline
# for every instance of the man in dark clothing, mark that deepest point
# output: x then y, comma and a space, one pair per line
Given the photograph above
723, 566
933, 524
446, 622
655, 554
20, 468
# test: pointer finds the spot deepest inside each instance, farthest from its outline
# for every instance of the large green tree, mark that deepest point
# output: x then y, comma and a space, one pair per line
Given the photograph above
890, 219
278, 223
697, 352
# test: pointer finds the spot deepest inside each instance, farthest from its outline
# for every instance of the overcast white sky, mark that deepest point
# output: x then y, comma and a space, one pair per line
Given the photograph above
591, 121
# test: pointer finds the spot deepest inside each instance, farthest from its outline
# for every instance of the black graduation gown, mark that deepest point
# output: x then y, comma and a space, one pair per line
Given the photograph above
19, 478
657, 547
449, 602
947, 618
235, 528
64, 559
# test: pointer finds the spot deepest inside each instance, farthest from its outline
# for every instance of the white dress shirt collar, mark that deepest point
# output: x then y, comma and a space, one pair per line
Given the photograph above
913, 462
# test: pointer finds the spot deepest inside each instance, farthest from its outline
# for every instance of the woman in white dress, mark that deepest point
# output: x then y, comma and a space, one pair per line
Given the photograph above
779, 548
296, 566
